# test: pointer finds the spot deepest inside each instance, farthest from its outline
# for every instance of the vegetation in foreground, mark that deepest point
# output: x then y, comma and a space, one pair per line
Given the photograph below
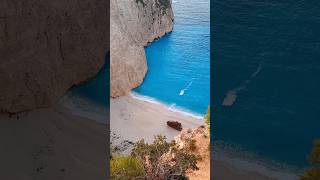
126, 167
157, 161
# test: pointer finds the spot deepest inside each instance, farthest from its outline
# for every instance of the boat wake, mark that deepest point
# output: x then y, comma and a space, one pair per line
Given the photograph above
231, 95
185, 89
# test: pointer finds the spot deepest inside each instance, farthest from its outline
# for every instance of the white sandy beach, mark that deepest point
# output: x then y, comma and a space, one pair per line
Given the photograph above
134, 119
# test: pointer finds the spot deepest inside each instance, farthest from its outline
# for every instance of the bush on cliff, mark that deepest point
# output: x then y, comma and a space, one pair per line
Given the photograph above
125, 168
163, 160
165, 3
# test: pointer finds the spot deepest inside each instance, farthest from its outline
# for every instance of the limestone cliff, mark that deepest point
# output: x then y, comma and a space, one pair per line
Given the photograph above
133, 24
48, 46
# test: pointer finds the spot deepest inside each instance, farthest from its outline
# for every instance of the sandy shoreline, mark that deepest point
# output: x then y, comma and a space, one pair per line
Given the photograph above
133, 119
51, 143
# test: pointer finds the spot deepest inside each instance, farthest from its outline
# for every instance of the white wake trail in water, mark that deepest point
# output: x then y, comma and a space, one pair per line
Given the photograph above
183, 90
231, 95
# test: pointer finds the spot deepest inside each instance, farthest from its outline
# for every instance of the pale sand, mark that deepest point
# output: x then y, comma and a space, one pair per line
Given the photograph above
51, 144
134, 119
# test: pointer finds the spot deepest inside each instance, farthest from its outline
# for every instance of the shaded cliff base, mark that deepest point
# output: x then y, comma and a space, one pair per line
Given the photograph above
51, 143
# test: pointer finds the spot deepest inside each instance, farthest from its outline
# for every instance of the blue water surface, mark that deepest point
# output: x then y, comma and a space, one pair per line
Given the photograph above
268, 52
97, 89
179, 63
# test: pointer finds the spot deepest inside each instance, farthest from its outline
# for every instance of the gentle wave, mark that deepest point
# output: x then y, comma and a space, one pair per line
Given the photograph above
171, 107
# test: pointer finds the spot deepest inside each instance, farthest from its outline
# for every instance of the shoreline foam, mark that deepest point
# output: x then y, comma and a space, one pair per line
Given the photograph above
135, 118
171, 107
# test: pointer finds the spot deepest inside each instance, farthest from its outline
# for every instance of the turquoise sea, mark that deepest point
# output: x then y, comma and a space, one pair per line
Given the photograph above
266, 54
179, 63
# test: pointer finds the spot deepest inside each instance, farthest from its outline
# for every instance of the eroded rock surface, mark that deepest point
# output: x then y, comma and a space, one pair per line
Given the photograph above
48, 46
134, 24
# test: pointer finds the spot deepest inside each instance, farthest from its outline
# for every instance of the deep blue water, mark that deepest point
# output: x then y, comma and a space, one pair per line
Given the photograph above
268, 52
179, 63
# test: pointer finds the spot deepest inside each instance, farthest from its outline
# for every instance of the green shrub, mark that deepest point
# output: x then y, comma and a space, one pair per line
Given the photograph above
165, 3
141, 1
126, 168
150, 155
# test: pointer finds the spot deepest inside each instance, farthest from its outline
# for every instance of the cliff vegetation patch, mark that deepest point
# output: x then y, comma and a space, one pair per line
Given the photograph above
141, 1
163, 5
157, 161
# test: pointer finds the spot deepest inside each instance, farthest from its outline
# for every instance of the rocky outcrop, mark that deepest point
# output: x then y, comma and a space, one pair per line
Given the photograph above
198, 142
134, 24
48, 46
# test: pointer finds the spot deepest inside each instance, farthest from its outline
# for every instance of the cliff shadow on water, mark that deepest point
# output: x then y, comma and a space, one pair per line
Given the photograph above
91, 98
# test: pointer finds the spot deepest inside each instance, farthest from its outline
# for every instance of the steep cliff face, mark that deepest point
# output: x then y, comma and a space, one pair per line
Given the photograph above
133, 24
48, 46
